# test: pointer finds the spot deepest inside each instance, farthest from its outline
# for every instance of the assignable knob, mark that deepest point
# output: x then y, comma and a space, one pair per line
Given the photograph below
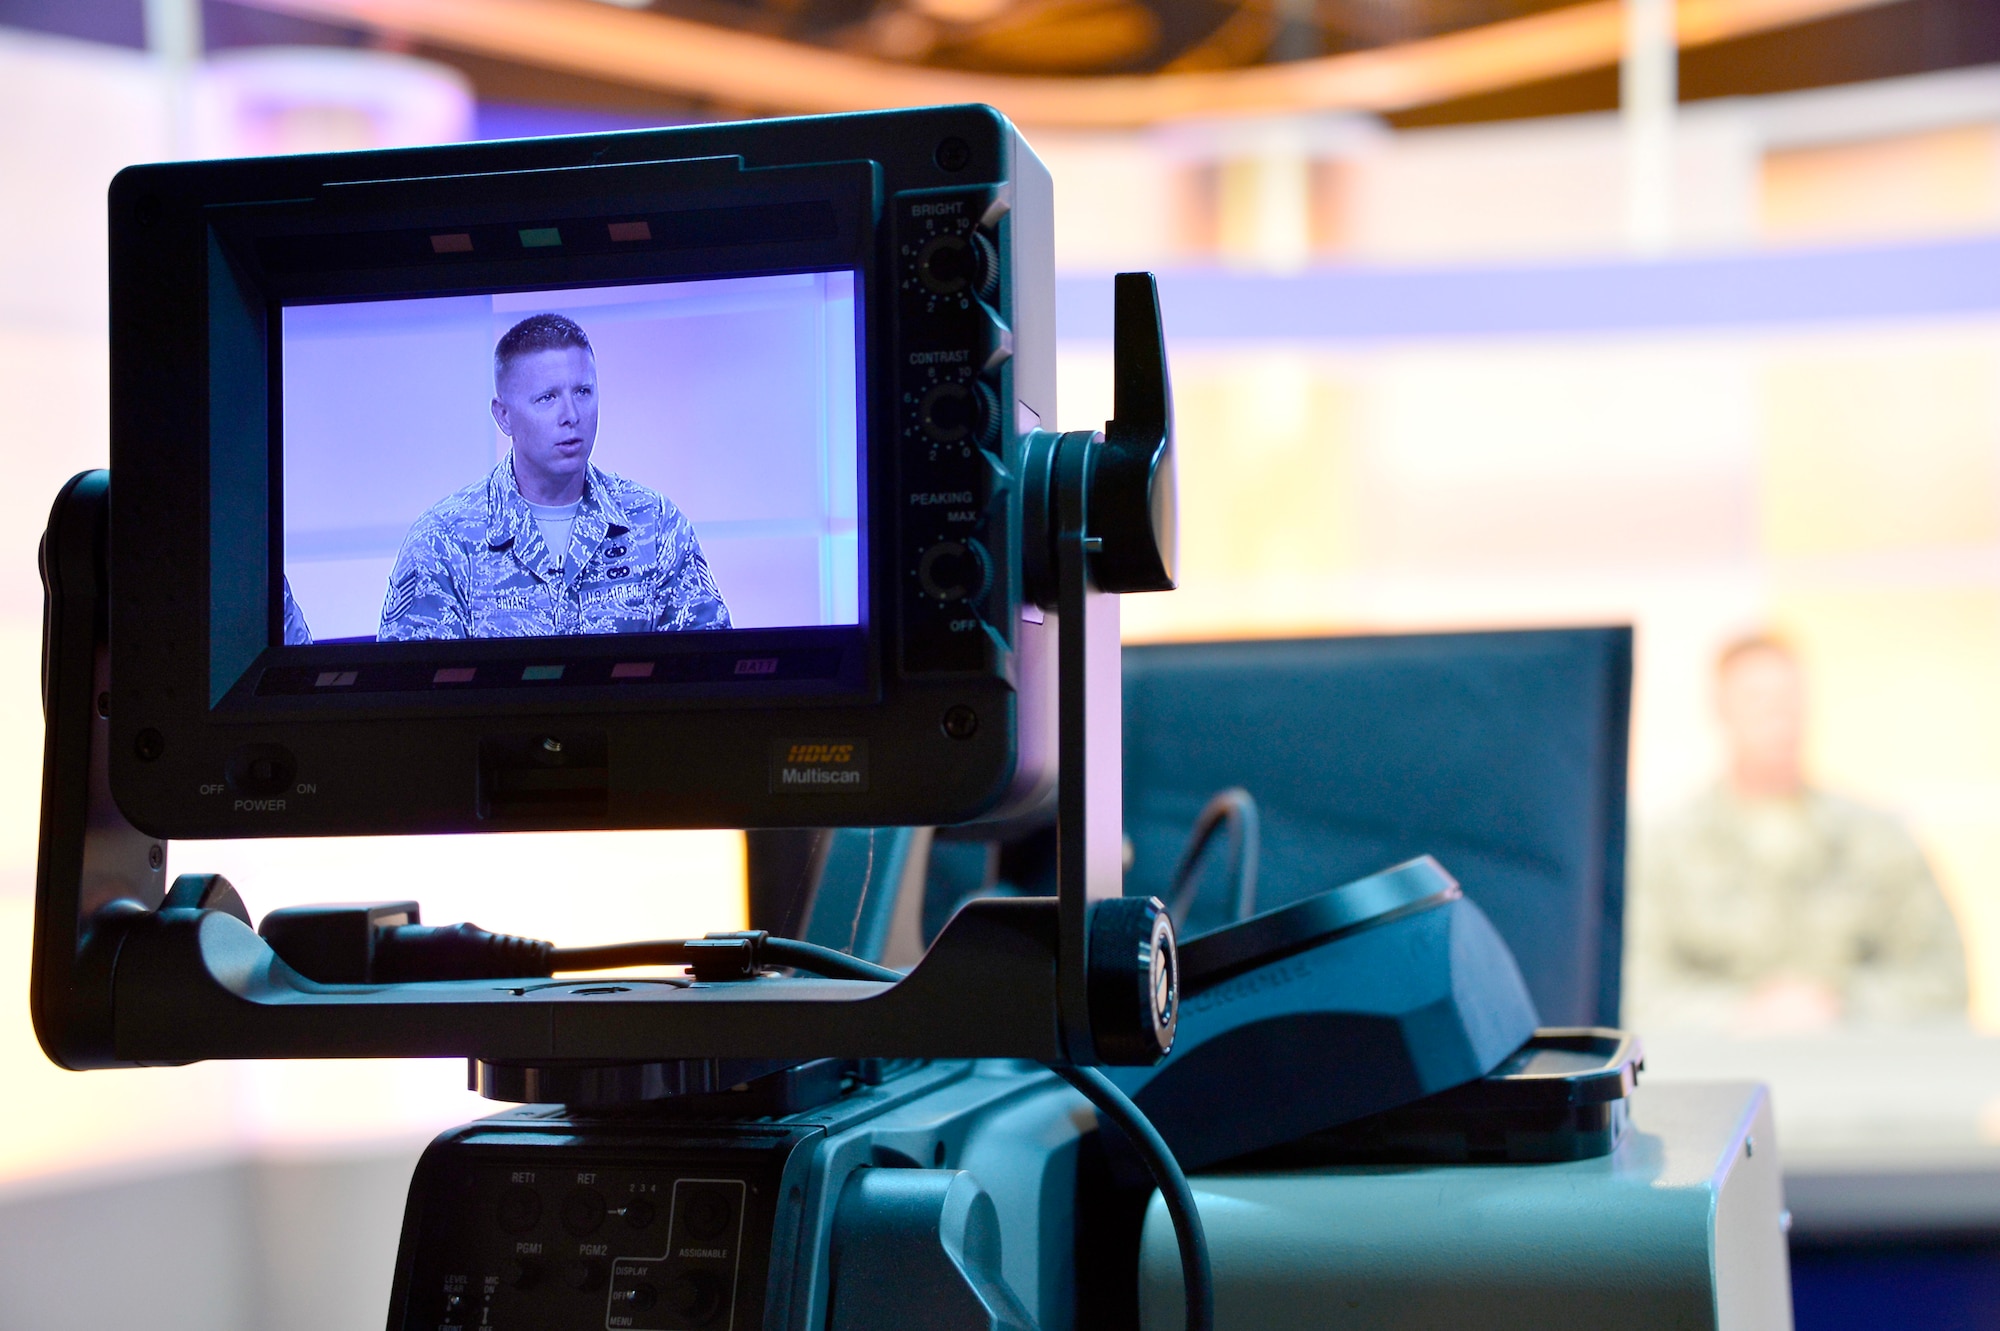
955, 571
953, 413
950, 264
708, 1213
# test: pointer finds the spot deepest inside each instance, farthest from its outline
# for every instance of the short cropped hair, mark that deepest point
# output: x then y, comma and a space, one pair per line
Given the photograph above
537, 332
1749, 644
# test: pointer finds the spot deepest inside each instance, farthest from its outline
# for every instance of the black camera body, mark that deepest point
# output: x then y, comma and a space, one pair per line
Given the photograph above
936, 704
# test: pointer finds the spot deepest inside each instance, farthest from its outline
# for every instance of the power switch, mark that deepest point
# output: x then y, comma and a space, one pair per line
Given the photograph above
260, 769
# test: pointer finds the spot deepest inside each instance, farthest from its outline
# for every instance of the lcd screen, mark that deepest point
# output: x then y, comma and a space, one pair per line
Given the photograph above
669, 457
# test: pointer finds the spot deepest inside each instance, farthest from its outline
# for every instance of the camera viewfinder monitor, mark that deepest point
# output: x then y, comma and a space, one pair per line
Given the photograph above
665, 478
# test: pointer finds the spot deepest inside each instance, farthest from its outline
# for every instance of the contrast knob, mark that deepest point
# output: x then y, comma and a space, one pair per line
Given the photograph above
953, 413
954, 571
1134, 981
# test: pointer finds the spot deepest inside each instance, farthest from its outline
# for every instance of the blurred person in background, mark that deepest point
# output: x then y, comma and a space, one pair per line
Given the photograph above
1767, 905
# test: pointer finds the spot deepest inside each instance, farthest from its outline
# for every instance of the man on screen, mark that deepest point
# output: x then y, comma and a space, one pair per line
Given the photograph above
547, 545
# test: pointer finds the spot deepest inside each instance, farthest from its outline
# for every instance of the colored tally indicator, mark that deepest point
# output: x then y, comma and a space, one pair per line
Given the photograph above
784, 666
629, 231
540, 237
451, 242
819, 767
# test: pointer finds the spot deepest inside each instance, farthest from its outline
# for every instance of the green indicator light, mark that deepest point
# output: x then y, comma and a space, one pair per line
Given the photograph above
542, 672
535, 237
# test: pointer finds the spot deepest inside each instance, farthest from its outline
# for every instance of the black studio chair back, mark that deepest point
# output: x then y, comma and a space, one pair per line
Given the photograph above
1503, 754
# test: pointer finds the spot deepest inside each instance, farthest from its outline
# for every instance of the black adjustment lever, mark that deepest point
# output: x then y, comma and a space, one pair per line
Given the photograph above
1134, 498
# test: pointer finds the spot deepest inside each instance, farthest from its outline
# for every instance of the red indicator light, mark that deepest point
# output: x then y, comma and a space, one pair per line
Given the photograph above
451, 242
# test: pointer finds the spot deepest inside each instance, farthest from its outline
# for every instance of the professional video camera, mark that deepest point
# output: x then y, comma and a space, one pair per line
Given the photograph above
372, 566
339, 608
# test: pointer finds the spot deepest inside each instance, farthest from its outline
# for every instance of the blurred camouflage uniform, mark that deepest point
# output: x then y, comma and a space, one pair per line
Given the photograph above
1731, 893
296, 632
475, 566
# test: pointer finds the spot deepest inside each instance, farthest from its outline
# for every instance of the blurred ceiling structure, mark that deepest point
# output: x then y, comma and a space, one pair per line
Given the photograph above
1073, 63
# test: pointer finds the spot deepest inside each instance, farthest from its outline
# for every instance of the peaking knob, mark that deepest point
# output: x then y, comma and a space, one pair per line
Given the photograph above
955, 571
950, 264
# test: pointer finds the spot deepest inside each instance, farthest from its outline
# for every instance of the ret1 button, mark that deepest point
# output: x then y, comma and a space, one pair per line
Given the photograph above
519, 1209
260, 769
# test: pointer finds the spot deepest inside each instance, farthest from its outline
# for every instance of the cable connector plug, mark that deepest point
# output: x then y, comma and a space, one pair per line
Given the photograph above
727, 956
384, 942
413, 952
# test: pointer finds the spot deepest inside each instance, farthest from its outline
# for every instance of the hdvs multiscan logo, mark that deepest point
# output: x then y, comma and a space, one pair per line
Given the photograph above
819, 767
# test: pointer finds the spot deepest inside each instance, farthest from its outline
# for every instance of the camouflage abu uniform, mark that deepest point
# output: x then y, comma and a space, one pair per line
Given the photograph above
475, 566
1731, 892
